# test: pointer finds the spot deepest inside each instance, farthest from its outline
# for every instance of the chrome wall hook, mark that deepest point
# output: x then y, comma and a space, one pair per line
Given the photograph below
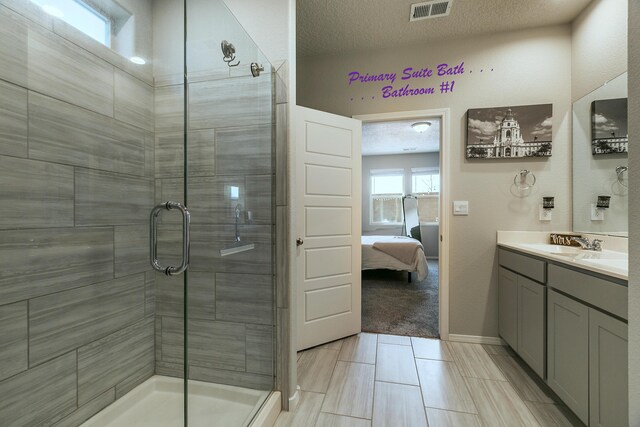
229, 53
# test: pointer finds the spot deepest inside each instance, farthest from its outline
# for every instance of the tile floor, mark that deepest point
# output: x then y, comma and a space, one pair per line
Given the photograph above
387, 380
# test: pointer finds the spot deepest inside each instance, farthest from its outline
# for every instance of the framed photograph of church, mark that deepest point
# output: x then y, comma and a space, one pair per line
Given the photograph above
609, 134
509, 132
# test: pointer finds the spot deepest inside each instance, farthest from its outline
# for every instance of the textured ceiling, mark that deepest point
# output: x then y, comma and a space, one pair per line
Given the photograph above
341, 26
380, 138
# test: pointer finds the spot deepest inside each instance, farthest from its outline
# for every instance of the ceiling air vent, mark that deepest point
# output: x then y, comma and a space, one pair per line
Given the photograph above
430, 9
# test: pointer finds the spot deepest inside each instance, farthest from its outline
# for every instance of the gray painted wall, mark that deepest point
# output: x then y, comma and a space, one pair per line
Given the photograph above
634, 213
76, 184
398, 161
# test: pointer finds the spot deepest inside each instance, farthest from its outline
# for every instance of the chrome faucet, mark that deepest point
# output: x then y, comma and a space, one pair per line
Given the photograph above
595, 245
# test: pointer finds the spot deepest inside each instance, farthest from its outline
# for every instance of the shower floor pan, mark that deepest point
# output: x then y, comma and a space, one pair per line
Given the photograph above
158, 402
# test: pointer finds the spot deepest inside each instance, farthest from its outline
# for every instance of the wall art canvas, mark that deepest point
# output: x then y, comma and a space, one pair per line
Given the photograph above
609, 133
509, 132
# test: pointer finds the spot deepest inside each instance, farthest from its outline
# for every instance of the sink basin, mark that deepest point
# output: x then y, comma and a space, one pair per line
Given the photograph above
553, 249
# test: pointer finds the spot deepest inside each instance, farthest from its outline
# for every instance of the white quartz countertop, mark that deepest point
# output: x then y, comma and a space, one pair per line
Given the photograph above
613, 263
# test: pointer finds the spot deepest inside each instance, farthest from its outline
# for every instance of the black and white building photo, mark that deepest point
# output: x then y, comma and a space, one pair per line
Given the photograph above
509, 132
609, 133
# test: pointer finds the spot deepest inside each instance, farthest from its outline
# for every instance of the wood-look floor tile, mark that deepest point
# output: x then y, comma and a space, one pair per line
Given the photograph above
441, 418
443, 387
500, 350
397, 405
333, 345
359, 348
473, 361
395, 364
551, 415
499, 404
315, 367
427, 348
350, 392
332, 420
305, 415
522, 381
393, 339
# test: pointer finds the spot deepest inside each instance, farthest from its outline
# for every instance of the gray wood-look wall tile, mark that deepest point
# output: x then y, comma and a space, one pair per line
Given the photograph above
13, 47
149, 154
133, 101
40, 396
169, 108
13, 119
59, 69
218, 345
105, 363
281, 81
67, 258
200, 152
104, 198
13, 339
201, 295
35, 194
245, 150
88, 410
259, 198
31, 11
260, 340
282, 257
149, 293
238, 379
70, 319
230, 102
207, 240
246, 298
282, 156
131, 249
63, 133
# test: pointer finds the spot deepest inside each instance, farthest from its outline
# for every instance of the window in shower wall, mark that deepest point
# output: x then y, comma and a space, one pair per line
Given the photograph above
80, 15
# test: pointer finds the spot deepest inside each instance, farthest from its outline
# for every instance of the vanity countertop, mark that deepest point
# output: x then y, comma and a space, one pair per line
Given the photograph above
613, 263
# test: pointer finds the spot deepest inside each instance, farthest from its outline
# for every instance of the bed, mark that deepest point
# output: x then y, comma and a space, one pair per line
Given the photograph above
394, 253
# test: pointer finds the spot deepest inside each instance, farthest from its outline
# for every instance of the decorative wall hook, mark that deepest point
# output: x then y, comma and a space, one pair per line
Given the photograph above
548, 202
229, 53
603, 202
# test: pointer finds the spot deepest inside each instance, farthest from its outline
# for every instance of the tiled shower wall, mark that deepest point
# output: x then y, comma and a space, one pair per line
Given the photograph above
231, 300
76, 186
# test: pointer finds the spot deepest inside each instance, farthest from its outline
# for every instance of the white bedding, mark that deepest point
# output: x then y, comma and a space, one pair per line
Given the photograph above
374, 259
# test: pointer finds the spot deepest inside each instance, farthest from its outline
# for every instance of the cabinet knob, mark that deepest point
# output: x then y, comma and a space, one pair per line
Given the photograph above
299, 242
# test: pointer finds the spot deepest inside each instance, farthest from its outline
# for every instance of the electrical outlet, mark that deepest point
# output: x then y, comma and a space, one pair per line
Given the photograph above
596, 214
545, 214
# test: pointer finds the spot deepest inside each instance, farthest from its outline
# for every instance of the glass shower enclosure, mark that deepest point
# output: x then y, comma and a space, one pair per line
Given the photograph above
137, 223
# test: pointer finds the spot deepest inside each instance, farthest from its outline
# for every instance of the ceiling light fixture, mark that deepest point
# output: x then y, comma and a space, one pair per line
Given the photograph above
421, 126
53, 11
137, 60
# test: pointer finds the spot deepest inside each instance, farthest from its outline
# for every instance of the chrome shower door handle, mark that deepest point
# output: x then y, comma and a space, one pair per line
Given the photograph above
153, 236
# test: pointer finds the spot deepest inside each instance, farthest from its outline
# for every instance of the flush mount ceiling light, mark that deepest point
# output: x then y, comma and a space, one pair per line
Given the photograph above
53, 11
421, 126
137, 60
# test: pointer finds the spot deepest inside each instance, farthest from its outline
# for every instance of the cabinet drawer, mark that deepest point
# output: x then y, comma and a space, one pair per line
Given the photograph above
529, 267
608, 296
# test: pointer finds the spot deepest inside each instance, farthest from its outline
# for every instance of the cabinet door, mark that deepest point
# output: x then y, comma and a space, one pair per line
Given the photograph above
568, 352
531, 324
508, 307
608, 370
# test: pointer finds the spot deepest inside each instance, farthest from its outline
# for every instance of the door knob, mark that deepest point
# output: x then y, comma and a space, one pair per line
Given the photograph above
299, 242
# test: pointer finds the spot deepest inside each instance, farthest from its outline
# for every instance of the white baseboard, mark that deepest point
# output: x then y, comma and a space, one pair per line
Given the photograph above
477, 339
294, 400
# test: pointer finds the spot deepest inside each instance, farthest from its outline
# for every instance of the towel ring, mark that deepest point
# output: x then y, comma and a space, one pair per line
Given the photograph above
524, 180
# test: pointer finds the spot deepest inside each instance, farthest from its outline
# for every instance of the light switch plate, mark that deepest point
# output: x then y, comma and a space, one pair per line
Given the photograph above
461, 207
596, 214
545, 214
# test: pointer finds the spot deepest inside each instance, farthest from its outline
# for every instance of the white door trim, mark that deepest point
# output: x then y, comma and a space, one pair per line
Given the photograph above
444, 115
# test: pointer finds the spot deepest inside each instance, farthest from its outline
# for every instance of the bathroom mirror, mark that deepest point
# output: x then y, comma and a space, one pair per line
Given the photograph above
599, 163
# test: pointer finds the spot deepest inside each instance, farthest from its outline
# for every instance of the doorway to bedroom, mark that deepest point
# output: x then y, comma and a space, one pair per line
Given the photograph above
401, 223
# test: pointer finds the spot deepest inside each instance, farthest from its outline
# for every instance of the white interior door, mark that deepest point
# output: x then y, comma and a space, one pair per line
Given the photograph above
328, 214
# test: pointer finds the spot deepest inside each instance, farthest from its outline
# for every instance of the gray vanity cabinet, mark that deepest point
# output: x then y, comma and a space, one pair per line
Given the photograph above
608, 374
568, 352
531, 324
508, 307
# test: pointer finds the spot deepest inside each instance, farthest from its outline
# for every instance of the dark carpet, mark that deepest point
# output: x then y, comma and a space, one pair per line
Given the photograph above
391, 305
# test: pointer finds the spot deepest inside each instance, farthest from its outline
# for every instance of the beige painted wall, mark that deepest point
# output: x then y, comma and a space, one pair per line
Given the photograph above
599, 38
634, 213
530, 67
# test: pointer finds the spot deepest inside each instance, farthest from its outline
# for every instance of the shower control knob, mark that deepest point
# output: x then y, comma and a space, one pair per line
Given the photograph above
299, 242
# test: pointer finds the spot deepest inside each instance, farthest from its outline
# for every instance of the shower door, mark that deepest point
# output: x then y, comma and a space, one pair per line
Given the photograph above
214, 155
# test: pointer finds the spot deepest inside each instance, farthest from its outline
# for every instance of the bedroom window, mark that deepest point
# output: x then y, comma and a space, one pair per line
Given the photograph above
387, 189
426, 186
